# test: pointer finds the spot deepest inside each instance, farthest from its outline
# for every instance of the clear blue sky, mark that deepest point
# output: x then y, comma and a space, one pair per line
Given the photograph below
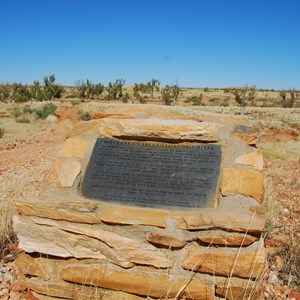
198, 43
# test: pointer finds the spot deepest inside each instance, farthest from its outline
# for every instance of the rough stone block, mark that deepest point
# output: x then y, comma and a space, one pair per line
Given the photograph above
243, 181
253, 159
74, 147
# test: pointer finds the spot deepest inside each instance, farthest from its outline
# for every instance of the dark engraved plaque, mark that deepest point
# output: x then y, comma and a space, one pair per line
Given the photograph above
153, 174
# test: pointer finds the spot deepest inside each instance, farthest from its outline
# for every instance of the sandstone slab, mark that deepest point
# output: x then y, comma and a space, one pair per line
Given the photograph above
238, 289
253, 159
225, 238
143, 112
78, 212
159, 130
242, 262
242, 221
134, 216
153, 284
116, 248
74, 147
64, 172
164, 239
243, 181
64, 290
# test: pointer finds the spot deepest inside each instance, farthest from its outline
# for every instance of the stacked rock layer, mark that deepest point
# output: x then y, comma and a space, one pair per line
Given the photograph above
75, 248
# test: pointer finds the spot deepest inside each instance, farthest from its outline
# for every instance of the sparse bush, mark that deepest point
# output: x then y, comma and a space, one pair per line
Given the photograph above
46, 110
206, 90
21, 93
170, 94
195, 100
1, 132
28, 110
153, 85
115, 90
88, 90
16, 113
75, 102
22, 120
37, 92
125, 98
51, 89
84, 115
4, 92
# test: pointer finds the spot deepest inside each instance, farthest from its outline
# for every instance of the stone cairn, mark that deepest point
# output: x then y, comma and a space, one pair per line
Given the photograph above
76, 248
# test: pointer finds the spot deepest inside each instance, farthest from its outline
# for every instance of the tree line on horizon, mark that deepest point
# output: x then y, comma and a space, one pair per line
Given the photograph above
142, 92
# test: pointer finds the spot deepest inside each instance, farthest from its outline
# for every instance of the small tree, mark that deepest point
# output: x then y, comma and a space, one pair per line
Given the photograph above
153, 85
288, 101
115, 90
36, 91
21, 93
88, 90
243, 96
170, 94
52, 90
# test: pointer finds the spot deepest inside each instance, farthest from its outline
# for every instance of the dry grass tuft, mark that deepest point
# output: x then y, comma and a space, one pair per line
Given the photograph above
7, 210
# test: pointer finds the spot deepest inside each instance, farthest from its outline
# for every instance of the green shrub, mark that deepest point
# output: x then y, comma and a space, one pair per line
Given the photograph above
46, 110
22, 120
28, 110
125, 98
84, 115
1, 132
4, 92
16, 113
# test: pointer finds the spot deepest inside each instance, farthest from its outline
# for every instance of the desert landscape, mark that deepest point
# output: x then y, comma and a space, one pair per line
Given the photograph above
32, 134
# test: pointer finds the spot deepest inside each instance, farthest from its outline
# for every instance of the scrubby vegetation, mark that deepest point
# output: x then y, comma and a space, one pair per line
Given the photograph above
84, 115
1, 132
46, 110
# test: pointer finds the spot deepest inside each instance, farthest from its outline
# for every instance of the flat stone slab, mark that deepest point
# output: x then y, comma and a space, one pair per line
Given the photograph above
153, 174
159, 130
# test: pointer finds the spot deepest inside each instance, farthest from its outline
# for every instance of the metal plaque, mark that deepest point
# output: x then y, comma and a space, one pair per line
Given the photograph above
153, 174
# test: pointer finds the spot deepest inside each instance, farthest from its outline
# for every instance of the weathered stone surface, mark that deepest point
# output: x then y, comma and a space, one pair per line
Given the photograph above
243, 181
246, 133
242, 262
142, 112
61, 289
84, 128
121, 250
134, 216
164, 239
253, 159
242, 221
39, 267
238, 289
64, 172
159, 130
224, 238
74, 147
79, 212
154, 284
52, 241
227, 119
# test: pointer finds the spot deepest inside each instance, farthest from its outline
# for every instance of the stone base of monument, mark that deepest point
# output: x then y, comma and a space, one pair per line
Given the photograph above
147, 203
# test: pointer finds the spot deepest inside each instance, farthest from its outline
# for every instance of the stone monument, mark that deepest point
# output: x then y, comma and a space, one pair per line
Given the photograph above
148, 202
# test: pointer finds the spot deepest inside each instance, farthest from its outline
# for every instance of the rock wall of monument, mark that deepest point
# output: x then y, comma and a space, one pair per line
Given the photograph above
74, 248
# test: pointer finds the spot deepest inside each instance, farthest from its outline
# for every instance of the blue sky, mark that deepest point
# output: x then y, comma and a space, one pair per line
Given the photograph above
196, 43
